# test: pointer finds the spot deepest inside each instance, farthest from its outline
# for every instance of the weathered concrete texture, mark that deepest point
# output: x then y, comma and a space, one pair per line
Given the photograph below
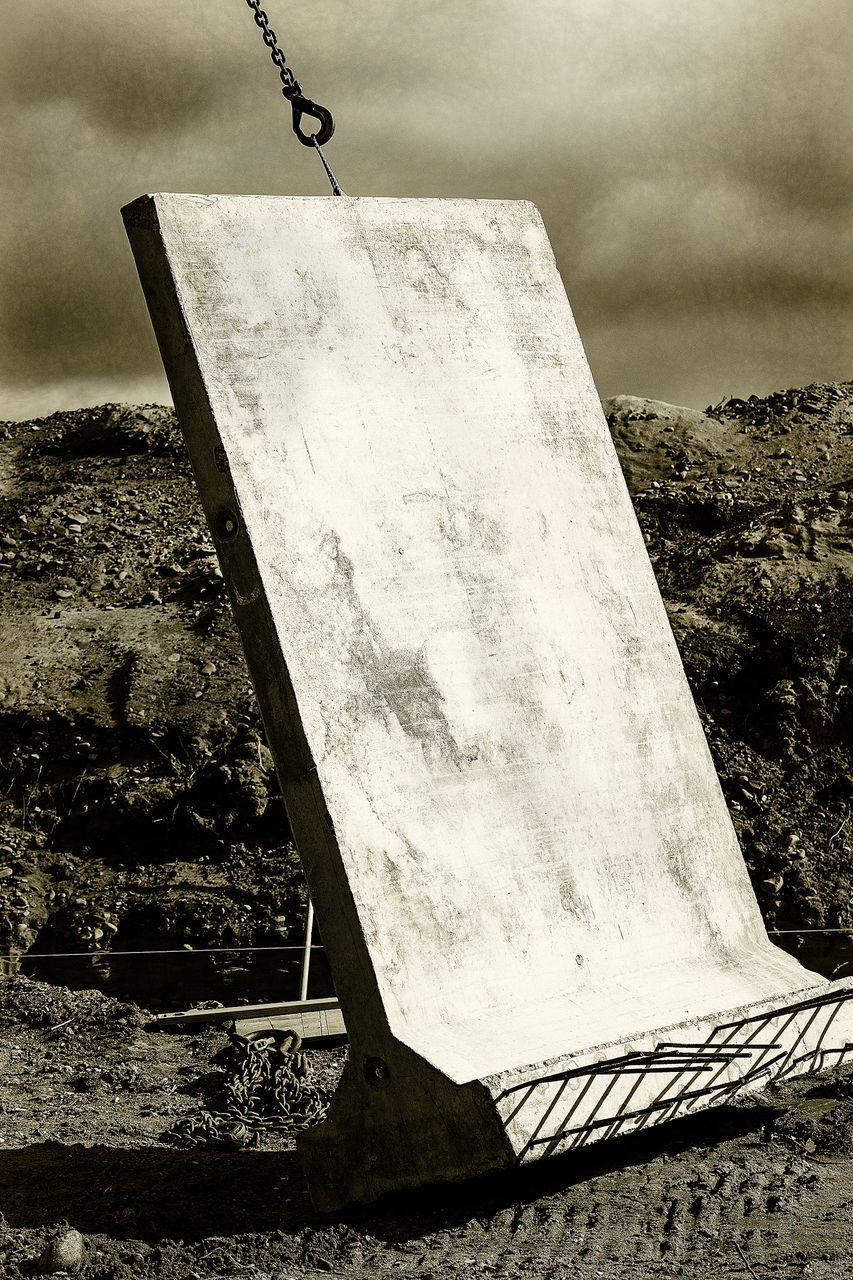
511, 824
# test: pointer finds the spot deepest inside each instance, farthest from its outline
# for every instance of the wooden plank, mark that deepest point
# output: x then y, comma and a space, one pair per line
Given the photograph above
227, 1013
326, 1024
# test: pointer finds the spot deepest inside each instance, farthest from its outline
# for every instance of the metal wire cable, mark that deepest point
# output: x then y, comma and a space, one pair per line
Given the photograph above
205, 951
778, 932
177, 951
332, 179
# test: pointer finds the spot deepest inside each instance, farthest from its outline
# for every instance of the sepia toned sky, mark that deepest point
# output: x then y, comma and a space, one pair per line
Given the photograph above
692, 161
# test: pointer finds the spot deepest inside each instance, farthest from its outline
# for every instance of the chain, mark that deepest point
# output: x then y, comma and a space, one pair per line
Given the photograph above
292, 91
265, 1086
290, 86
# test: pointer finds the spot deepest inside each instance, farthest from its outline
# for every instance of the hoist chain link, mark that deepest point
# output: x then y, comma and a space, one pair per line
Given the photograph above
289, 84
292, 90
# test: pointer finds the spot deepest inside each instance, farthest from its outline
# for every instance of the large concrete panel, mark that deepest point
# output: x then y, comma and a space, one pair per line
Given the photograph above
512, 828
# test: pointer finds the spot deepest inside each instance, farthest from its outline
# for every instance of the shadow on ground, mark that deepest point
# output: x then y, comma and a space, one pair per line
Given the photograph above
151, 1193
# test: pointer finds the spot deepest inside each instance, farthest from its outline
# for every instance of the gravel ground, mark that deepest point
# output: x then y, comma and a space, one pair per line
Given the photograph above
763, 1187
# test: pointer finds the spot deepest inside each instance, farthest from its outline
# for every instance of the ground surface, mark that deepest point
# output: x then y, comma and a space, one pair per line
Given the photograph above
138, 808
765, 1185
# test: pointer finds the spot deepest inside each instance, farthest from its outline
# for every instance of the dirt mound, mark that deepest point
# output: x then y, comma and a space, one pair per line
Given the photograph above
655, 440
138, 804
42, 1005
138, 808
747, 511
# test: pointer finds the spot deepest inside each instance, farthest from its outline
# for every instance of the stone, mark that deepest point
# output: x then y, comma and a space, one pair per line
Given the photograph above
519, 855
66, 1252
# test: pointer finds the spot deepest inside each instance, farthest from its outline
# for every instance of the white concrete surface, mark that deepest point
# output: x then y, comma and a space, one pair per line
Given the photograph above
526, 851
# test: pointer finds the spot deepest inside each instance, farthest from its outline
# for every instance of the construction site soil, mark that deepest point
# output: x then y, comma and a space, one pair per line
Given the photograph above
139, 812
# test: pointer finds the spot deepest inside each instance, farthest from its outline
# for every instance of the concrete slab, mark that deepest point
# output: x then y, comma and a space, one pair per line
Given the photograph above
513, 833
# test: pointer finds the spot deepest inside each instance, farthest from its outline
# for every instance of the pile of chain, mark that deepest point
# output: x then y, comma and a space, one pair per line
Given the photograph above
265, 1088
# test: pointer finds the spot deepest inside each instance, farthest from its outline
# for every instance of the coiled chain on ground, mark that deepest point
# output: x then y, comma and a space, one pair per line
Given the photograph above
266, 1088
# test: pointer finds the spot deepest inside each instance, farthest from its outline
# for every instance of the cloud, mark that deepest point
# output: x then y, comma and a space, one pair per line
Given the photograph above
689, 161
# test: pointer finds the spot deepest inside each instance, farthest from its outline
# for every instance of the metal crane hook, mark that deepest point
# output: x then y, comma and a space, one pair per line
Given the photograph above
305, 107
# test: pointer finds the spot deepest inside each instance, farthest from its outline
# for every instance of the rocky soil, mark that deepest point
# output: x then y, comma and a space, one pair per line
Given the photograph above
138, 809
138, 806
747, 511
90, 1093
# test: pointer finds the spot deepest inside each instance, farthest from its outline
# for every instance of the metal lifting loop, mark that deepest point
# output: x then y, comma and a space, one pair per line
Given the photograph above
305, 107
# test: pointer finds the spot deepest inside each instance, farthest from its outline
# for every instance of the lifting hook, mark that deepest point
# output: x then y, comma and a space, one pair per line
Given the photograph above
305, 107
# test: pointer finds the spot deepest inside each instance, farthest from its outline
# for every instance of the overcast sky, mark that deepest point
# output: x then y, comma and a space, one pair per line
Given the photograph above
691, 158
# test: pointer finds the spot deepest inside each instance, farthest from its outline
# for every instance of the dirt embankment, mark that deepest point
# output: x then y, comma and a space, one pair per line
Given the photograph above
138, 804
138, 807
747, 511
